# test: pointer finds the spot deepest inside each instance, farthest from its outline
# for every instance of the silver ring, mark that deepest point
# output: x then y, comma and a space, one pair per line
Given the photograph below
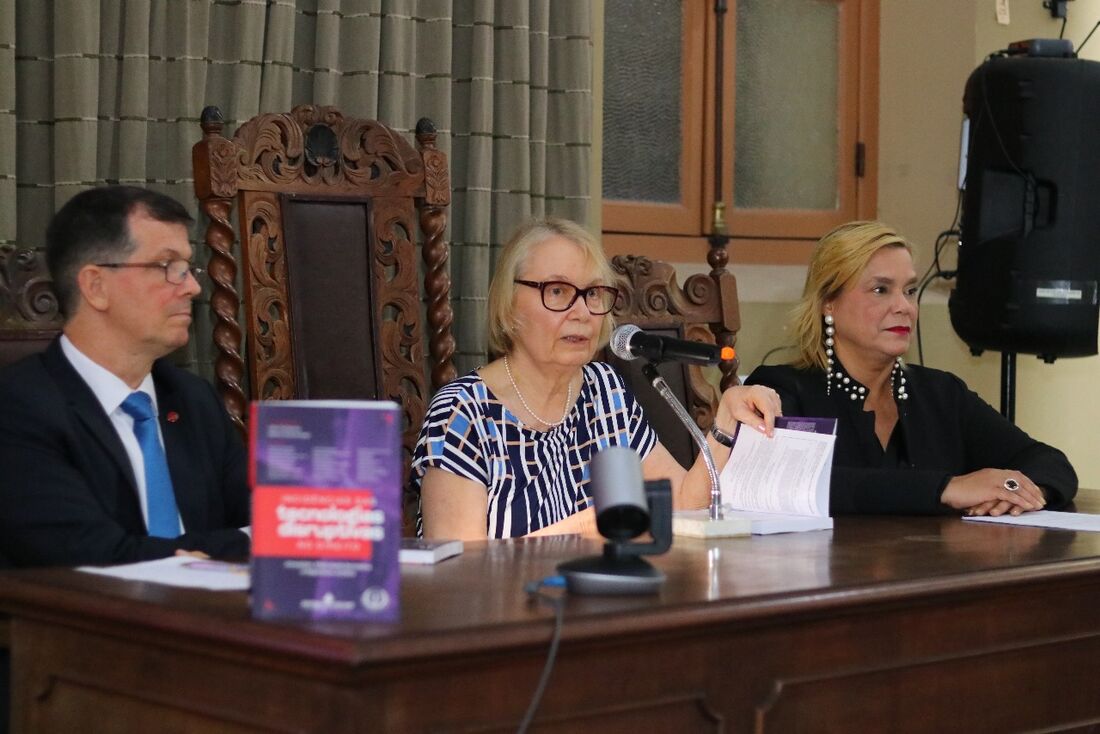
1011, 484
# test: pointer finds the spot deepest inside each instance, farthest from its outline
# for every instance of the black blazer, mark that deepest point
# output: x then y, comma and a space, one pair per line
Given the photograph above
68, 494
946, 428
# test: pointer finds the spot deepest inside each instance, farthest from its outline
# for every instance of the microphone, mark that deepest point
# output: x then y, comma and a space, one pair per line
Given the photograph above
630, 342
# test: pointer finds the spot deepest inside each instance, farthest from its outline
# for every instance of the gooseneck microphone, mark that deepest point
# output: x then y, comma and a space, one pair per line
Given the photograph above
630, 342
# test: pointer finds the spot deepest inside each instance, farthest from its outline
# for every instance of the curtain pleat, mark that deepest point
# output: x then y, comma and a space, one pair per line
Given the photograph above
7, 126
105, 91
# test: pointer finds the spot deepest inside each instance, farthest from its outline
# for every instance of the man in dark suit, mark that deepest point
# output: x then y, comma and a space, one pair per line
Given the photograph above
108, 453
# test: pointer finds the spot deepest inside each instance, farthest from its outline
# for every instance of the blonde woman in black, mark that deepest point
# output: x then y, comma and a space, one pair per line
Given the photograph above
910, 439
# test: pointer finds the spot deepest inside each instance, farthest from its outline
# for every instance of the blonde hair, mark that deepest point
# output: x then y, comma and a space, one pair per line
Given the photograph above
838, 260
502, 290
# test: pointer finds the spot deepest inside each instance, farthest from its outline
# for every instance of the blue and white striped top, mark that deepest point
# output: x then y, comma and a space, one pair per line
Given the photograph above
533, 478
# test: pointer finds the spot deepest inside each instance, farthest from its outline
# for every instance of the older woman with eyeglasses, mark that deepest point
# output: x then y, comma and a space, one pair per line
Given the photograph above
505, 450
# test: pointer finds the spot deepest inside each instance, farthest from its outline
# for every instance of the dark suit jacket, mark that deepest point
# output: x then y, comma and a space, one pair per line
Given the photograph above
67, 491
946, 428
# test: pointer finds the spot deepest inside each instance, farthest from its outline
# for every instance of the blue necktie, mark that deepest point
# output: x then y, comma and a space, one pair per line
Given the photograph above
164, 520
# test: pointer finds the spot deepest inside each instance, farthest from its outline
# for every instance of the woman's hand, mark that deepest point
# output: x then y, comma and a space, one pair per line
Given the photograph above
756, 406
983, 492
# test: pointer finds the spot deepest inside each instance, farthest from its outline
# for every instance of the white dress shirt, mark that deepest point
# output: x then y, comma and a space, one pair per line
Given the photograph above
110, 391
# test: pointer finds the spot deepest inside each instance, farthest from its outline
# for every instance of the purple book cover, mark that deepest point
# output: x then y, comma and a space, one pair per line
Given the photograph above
326, 510
809, 425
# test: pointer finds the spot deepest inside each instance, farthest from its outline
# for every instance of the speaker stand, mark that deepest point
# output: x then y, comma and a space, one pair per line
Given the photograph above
1008, 385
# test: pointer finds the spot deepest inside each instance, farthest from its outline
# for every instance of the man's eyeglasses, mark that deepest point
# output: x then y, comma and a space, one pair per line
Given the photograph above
175, 271
557, 295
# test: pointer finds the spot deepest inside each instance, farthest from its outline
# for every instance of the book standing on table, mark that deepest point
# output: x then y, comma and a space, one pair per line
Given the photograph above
326, 510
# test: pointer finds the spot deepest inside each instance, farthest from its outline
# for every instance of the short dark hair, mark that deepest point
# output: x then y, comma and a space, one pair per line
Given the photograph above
92, 228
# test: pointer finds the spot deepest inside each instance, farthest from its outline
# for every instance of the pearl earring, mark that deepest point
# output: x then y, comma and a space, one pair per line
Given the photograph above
830, 331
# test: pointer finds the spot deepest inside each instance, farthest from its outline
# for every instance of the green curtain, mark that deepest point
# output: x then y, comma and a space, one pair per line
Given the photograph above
105, 91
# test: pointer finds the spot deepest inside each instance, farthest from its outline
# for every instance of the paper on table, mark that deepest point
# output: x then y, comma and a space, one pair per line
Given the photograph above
185, 571
1046, 519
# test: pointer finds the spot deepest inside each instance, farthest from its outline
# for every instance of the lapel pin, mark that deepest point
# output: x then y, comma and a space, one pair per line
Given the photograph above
173, 416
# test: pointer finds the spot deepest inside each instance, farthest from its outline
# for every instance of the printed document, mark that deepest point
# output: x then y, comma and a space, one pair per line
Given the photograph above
785, 474
185, 571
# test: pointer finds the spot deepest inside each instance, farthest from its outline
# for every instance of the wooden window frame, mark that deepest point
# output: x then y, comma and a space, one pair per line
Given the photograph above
682, 218
804, 223
771, 236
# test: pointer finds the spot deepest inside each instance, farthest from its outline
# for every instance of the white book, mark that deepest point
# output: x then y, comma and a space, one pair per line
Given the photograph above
425, 552
772, 485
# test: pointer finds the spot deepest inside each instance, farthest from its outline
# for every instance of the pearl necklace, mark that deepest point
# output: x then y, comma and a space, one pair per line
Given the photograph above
838, 376
536, 416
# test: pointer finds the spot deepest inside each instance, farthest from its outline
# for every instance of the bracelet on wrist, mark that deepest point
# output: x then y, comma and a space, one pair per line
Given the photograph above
726, 439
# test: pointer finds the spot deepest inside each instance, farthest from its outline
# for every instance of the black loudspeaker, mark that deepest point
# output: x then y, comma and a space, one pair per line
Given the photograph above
1029, 255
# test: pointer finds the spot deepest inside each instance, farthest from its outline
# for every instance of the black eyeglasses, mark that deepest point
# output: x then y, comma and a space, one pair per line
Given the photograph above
557, 295
175, 271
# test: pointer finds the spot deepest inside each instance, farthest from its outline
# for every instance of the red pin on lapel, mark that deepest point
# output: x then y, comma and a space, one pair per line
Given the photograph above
172, 416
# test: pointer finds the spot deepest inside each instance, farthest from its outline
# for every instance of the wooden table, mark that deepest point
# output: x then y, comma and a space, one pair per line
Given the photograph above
883, 624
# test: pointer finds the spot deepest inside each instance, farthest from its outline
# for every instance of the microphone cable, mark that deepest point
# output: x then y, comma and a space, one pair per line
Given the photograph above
557, 603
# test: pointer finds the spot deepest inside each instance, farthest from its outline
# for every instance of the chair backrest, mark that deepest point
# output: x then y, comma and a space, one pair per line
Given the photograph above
704, 309
328, 208
29, 317
18, 343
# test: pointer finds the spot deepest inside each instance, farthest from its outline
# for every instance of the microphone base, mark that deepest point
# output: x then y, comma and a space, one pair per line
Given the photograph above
699, 524
603, 575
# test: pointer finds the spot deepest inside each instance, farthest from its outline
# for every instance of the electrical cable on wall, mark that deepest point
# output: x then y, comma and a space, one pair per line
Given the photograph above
936, 270
1088, 37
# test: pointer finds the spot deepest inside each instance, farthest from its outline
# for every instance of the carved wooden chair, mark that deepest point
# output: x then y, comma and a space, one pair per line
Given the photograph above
704, 309
29, 320
29, 317
327, 207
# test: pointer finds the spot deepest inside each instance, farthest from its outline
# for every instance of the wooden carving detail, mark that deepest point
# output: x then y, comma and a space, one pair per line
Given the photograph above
651, 293
317, 146
317, 151
374, 154
214, 160
269, 150
437, 182
725, 330
268, 305
437, 283
224, 306
652, 298
27, 299
223, 179
402, 353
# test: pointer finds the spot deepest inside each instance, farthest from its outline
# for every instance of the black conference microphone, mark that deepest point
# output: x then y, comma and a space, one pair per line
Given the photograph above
630, 342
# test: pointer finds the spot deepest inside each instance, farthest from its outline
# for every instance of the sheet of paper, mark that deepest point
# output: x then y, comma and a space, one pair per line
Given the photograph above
788, 473
192, 573
1047, 519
